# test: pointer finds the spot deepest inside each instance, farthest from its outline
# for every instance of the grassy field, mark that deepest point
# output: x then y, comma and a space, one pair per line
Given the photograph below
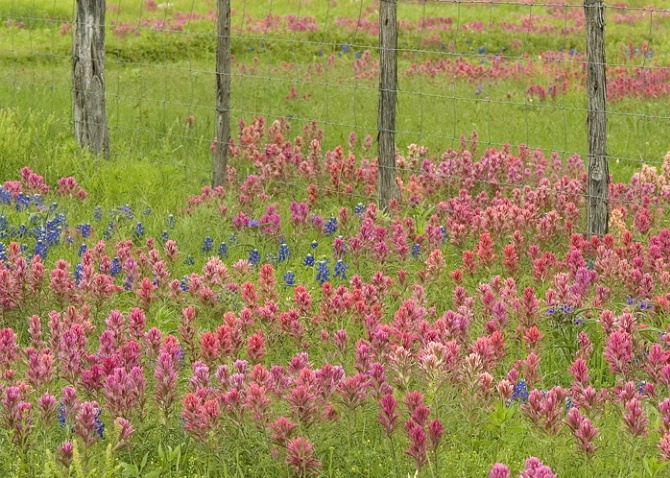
473, 307
157, 78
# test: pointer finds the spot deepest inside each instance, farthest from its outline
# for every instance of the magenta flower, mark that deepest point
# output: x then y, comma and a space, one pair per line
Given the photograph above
499, 471
417, 446
125, 430
619, 352
435, 432
634, 417
66, 453
301, 459
664, 447
535, 469
282, 428
387, 415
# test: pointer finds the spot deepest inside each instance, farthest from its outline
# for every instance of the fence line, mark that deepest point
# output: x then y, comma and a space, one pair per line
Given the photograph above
453, 73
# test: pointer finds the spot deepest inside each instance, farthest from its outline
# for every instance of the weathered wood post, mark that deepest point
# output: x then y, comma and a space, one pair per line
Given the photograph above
597, 213
88, 77
222, 92
388, 91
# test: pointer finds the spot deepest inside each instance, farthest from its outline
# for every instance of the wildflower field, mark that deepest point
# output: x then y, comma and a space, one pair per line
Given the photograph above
283, 326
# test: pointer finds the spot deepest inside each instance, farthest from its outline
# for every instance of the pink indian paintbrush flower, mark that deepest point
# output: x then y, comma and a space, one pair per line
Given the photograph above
664, 447
66, 453
634, 417
301, 459
583, 430
499, 471
417, 445
619, 352
165, 375
535, 469
387, 415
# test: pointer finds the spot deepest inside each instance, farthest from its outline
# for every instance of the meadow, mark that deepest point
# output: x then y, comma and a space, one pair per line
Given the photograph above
281, 325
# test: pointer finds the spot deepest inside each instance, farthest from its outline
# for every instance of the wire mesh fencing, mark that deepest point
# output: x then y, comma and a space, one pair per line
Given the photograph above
501, 72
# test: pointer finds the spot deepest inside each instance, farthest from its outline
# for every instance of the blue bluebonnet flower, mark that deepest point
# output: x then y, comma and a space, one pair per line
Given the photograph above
21, 202
123, 212
171, 221
341, 269
85, 230
82, 249
416, 248
183, 283
233, 239
644, 305
331, 226
128, 283
322, 272
314, 244
551, 311
3, 252
138, 233
284, 252
189, 261
207, 245
165, 236
569, 403
520, 391
345, 48
630, 301
24, 248
116, 267
579, 320
97, 213
309, 260
254, 257
641, 387
566, 309
40, 250
289, 278
61, 415
147, 211
69, 240
3, 222
5, 196
359, 209
443, 230
77, 272
22, 231
252, 223
99, 426
223, 250
482, 50
108, 232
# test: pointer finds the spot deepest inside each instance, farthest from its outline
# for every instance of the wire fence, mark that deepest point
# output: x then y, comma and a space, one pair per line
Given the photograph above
514, 72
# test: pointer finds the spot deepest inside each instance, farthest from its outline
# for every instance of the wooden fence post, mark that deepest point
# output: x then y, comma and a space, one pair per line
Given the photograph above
597, 212
88, 77
388, 91
223, 74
